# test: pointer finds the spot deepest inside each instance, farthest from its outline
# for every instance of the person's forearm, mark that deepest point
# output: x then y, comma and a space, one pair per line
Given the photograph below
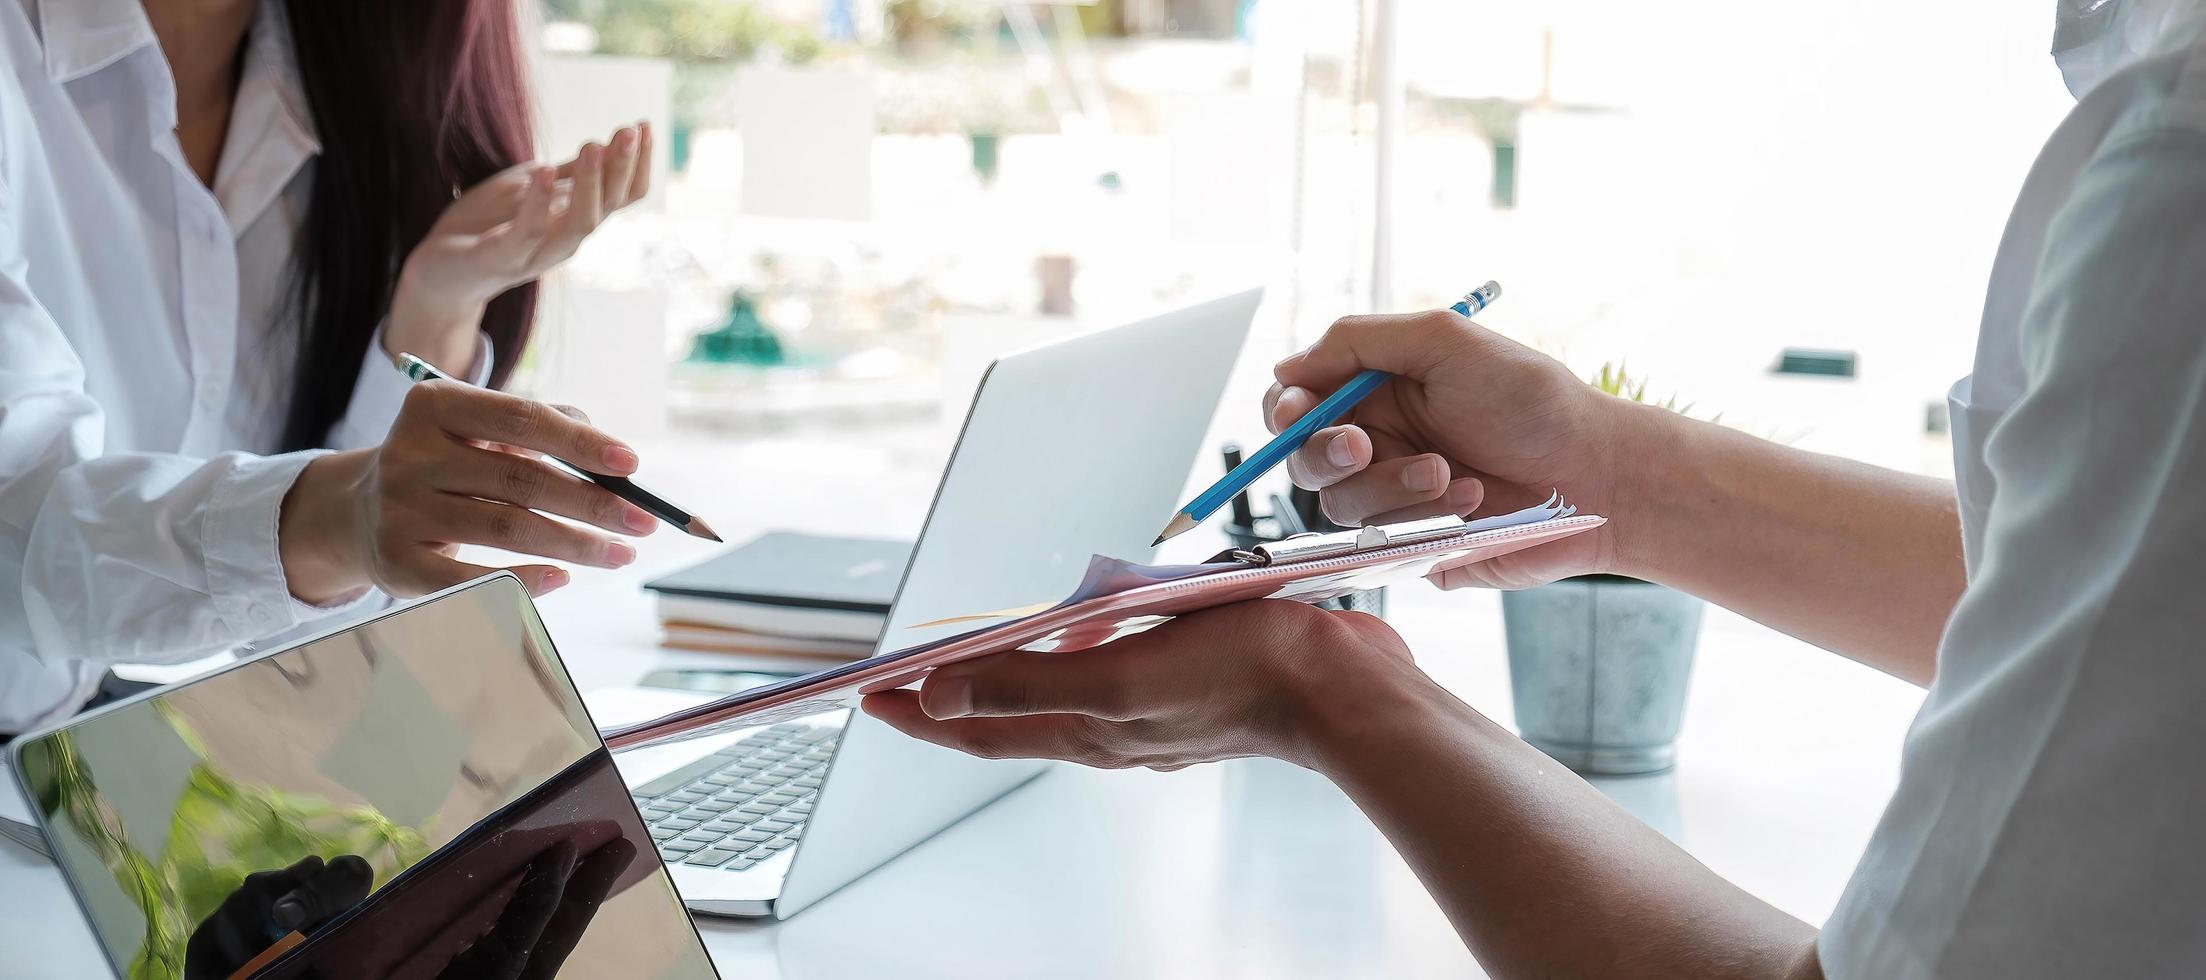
1854, 558
1541, 875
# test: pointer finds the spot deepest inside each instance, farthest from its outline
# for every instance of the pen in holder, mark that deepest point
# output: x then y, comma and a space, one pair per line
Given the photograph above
1294, 512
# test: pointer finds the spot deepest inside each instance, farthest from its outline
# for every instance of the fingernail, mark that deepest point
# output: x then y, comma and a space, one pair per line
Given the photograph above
623, 138
1425, 475
1340, 451
949, 696
554, 579
289, 913
640, 522
621, 460
619, 553
1464, 493
1287, 363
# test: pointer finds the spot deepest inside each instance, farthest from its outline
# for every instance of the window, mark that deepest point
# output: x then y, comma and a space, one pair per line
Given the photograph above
864, 200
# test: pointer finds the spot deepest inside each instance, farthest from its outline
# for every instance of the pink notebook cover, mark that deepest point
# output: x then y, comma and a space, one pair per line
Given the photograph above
1078, 625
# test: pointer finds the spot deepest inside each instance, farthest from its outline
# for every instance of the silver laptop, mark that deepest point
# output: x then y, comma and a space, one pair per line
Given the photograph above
421, 795
1073, 449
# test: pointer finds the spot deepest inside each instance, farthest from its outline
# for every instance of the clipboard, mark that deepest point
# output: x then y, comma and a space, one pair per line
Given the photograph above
1118, 598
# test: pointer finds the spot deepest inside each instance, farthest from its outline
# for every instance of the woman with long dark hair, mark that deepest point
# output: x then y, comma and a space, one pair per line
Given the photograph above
219, 221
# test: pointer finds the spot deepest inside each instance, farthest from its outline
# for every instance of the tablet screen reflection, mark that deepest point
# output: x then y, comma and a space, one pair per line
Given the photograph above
420, 796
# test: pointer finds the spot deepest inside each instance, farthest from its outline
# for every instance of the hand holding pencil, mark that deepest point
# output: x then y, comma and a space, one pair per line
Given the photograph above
1472, 423
1308, 422
465, 465
619, 486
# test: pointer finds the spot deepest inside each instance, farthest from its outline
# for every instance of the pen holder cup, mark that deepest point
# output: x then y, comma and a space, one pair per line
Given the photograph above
1372, 601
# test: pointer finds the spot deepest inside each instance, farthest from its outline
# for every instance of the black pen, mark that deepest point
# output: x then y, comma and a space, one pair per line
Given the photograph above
619, 486
1242, 515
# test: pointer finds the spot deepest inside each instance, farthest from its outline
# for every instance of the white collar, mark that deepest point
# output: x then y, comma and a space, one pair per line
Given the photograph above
84, 36
272, 132
2094, 39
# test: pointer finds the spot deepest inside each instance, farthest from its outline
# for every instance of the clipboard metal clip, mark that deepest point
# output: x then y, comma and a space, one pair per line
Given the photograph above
1316, 546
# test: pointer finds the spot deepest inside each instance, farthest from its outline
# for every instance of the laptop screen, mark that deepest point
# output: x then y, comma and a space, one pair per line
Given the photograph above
422, 795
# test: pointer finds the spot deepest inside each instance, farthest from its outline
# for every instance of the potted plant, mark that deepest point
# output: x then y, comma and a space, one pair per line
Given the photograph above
1599, 664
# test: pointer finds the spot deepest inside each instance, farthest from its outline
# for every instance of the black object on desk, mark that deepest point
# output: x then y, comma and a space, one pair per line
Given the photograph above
800, 571
813, 592
1242, 514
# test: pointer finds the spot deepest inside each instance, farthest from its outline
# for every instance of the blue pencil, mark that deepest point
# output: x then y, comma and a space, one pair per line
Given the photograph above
1292, 437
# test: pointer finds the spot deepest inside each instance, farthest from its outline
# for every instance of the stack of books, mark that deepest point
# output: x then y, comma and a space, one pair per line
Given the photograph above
26, 835
802, 597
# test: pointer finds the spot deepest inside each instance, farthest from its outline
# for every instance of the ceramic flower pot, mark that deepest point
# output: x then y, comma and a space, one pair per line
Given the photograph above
1598, 667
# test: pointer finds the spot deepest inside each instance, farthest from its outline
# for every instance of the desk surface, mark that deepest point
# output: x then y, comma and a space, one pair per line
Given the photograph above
1245, 869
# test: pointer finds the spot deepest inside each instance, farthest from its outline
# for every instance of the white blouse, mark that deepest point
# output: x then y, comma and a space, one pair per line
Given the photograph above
146, 341
2047, 821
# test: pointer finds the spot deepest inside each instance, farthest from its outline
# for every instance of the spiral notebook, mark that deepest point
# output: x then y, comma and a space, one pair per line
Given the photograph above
1118, 597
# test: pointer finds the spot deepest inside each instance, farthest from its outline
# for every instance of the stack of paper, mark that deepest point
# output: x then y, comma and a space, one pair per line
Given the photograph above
26, 835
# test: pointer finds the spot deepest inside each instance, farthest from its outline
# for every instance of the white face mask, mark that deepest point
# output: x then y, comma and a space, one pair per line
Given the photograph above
2095, 38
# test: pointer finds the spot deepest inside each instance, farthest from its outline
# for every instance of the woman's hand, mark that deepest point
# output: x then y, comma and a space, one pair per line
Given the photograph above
507, 230
458, 468
1471, 422
1253, 678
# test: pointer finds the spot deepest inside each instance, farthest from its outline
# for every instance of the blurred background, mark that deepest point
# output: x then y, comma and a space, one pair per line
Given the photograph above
1781, 215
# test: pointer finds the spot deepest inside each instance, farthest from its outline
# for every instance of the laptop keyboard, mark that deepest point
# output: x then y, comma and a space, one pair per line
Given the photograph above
742, 804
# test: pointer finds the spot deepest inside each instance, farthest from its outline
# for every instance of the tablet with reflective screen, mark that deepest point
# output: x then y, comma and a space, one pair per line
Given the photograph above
421, 795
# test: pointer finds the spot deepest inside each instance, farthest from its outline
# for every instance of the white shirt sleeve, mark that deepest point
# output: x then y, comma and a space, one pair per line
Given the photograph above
2047, 818
381, 390
117, 556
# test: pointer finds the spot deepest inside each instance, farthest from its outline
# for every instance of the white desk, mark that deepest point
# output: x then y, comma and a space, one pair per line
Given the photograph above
1247, 869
